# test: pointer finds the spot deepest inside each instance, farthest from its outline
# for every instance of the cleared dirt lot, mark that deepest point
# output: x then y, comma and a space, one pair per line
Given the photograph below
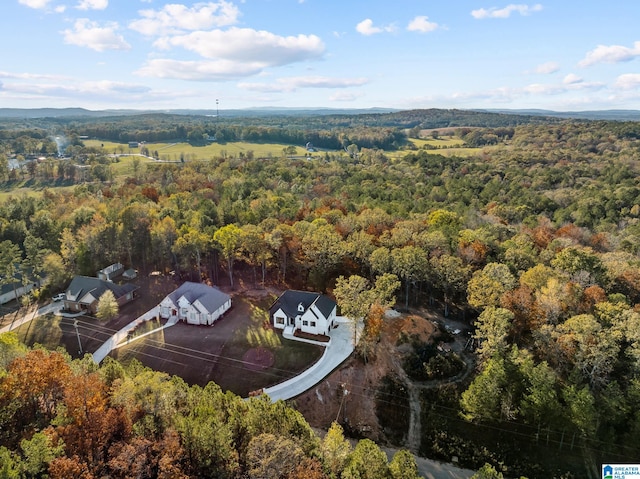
218, 353
198, 354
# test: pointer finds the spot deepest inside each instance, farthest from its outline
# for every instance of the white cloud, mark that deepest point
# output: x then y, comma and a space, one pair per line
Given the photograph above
572, 79
343, 96
60, 9
543, 89
86, 33
610, 54
495, 12
547, 68
68, 89
294, 83
175, 18
247, 45
422, 24
217, 70
92, 4
30, 76
35, 3
365, 27
628, 81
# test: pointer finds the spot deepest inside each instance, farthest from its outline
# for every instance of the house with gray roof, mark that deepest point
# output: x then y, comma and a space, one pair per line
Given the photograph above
84, 292
195, 303
304, 311
14, 290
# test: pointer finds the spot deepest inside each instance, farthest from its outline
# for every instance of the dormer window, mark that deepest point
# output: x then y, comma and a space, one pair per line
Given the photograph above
300, 308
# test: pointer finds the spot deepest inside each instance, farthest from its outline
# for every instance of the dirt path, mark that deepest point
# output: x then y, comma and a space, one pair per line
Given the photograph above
412, 440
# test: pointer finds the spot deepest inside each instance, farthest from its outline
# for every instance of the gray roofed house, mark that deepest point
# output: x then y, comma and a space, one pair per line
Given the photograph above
14, 290
84, 292
195, 303
304, 311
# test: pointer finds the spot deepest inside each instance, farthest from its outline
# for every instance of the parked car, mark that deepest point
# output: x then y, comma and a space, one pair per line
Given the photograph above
59, 297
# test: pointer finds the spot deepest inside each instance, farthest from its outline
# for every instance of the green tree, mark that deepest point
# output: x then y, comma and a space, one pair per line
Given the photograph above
10, 265
581, 409
229, 237
335, 450
55, 272
403, 466
10, 464
193, 243
449, 275
38, 452
323, 249
483, 399
581, 264
409, 263
107, 306
487, 472
487, 286
492, 328
356, 296
367, 461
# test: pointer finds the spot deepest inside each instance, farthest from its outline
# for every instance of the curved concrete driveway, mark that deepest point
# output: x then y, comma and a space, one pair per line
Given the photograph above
339, 348
336, 351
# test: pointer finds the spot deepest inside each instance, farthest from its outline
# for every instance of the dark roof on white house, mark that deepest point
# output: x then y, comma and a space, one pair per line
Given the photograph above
290, 299
81, 285
210, 297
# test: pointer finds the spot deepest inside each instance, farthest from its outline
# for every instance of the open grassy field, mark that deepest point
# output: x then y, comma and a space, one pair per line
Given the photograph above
442, 142
174, 151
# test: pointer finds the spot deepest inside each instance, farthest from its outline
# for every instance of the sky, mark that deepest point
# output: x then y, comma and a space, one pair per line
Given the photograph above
227, 54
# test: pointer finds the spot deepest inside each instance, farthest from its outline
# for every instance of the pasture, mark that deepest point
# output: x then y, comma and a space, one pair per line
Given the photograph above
177, 151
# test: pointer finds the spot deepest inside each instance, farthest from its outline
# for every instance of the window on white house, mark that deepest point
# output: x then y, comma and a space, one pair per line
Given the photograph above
305, 323
279, 320
313, 324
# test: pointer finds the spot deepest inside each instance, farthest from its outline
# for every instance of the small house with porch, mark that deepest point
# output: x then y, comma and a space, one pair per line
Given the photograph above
304, 311
195, 303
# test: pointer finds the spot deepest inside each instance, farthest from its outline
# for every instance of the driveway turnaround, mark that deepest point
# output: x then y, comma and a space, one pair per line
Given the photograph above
336, 352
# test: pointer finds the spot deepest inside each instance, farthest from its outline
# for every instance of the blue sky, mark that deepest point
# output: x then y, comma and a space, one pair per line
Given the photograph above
153, 54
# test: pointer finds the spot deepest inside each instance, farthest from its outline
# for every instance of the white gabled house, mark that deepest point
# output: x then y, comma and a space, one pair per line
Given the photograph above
311, 313
195, 303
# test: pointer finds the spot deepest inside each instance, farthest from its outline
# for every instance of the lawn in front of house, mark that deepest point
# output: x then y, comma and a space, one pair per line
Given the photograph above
222, 353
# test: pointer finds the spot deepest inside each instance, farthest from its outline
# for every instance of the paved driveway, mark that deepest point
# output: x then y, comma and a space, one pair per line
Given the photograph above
339, 349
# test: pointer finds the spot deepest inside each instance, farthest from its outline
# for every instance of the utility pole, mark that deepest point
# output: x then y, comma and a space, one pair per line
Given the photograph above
344, 395
75, 325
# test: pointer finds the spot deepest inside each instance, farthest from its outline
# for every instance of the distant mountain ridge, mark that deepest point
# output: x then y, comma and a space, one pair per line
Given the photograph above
70, 113
28, 113
619, 115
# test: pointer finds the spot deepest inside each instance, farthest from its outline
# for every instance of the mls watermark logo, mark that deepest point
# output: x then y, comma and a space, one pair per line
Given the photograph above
621, 471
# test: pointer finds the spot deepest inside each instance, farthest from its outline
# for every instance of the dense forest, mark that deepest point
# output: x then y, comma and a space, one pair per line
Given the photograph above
533, 240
